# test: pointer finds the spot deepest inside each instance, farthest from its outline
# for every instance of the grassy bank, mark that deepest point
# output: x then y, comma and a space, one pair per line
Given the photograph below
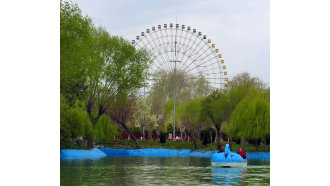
179, 145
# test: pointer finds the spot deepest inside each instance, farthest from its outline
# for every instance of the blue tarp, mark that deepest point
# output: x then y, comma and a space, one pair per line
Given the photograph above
73, 153
156, 152
258, 155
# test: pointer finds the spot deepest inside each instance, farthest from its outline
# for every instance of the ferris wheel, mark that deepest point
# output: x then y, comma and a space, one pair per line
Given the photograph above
179, 48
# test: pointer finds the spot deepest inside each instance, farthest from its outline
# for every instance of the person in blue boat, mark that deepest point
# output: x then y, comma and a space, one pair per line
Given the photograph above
241, 152
221, 148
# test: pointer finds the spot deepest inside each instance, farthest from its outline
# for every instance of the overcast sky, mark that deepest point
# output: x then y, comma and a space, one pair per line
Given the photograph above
239, 28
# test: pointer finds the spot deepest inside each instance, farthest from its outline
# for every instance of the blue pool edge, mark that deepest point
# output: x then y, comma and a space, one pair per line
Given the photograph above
103, 152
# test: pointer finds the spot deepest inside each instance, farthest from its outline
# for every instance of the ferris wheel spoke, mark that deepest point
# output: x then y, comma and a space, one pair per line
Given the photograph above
154, 57
200, 65
163, 43
183, 45
141, 45
187, 49
193, 60
212, 52
164, 61
167, 46
191, 44
218, 73
180, 38
197, 46
154, 47
197, 57
209, 48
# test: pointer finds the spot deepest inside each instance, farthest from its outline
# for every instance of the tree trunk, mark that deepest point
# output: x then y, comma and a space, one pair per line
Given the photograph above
230, 142
242, 142
101, 111
181, 134
264, 144
90, 143
195, 142
229, 138
211, 139
256, 144
218, 133
130, 133
150, 136
143, 138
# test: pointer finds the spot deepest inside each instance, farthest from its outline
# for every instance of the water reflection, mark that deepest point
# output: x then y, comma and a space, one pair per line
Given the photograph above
228, 176
159, 171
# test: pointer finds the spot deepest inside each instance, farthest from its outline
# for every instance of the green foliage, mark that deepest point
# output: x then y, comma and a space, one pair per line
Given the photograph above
79, 121
65, 136
75, 46
251, 118
95, 66
215, 108
189, 113
104, 129
187, 87
143, 115
169, 129
225, 129
96, 69
135, 129
205, 135
117, 69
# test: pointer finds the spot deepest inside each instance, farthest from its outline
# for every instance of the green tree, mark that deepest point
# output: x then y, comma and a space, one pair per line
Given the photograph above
75, 49
104, 129
144, 117
79, 121
117, 69
238, 88
251, 118
189, 113
96, 68
214, 108
121, 111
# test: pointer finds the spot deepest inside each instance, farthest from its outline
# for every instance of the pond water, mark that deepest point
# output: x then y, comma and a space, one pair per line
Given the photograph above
128, 170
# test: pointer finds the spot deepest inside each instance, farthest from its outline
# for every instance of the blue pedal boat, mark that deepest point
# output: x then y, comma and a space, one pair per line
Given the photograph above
228, 159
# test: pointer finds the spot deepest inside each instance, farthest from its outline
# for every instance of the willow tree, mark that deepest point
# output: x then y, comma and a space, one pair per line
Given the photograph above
79, 122
238, 88
105, 129
189, 114
214, 108
251, 118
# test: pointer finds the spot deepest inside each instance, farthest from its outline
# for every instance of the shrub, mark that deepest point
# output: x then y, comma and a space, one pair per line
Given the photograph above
169, 129
237, 140
252, 142
162, 137
65, 137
